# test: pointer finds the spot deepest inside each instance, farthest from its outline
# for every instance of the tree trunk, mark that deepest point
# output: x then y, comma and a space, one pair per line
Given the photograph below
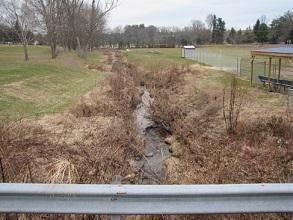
53, 50
78, 44
81, 50
26, 57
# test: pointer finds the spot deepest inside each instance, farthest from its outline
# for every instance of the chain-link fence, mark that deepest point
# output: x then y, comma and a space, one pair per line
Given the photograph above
241, 65
219, 60
259, 68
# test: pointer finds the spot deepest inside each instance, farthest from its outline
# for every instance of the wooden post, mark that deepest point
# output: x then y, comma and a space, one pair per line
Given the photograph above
270, 73
280, 64
252, 69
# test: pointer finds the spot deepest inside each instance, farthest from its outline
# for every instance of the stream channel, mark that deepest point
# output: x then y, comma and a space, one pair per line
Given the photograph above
151, 165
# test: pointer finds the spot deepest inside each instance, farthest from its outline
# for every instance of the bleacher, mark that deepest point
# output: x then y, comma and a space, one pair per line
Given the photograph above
276, 83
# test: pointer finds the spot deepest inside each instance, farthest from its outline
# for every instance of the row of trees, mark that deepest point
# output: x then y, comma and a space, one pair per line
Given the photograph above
280, 30
213, 31
72, 24
10, 34
80, 25
151, 36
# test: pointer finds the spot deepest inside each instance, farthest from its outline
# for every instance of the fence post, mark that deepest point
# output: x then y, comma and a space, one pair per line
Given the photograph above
290, 101
238, 72
117, 180
252, 71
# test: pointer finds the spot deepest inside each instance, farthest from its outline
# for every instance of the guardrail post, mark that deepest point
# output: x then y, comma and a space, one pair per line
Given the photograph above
117, 180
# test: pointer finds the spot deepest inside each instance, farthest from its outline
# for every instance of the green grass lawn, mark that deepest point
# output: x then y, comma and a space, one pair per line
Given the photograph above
158, 59
42, 85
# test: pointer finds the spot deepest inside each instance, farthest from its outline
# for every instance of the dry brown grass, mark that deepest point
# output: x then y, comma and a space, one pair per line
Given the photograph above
95, 140
164, 89
62, 171
98, 67
90, 144
259, 152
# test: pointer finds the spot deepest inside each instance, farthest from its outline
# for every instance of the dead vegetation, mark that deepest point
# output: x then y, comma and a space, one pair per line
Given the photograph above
232, 105
98, 137
251, 151
90, 144
260, 150
97, 67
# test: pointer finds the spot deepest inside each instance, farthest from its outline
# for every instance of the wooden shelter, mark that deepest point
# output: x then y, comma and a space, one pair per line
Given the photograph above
273, 53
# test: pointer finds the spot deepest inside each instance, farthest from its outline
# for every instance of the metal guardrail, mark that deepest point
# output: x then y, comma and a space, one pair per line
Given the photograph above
146, 200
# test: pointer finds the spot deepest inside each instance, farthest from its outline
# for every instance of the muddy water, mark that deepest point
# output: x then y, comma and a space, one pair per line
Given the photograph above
151, 166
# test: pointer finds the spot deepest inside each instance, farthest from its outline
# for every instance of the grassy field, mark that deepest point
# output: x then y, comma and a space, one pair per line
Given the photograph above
210, 55
235, 59
209, 78
157, 59
42, 85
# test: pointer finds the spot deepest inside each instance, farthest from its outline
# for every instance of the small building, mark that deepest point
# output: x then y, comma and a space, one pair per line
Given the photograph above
188, 52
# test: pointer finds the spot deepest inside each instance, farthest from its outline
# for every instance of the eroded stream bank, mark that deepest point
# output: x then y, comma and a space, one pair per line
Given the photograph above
151, 166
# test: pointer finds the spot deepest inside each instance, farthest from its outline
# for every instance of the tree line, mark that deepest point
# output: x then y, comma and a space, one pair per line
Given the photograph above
80, 25
72, 24
212, 31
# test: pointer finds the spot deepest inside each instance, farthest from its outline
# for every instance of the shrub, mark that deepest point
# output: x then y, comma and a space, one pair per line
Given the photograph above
232, 105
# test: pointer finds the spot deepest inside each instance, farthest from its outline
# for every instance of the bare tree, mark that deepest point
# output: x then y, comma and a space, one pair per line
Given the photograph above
263, 19
209, 21
95, 21
50, 12
66, 20
19, 15
72, 9
197, 25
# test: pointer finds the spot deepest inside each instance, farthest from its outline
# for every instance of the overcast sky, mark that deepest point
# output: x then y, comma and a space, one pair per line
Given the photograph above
236, 13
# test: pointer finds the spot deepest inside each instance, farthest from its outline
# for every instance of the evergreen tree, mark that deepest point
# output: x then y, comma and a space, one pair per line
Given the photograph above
256, 27
214, 29
232, 36
17, 32
291, 35
248, 36
218, 30
221, 30
281, 27
262, 34
239, 37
